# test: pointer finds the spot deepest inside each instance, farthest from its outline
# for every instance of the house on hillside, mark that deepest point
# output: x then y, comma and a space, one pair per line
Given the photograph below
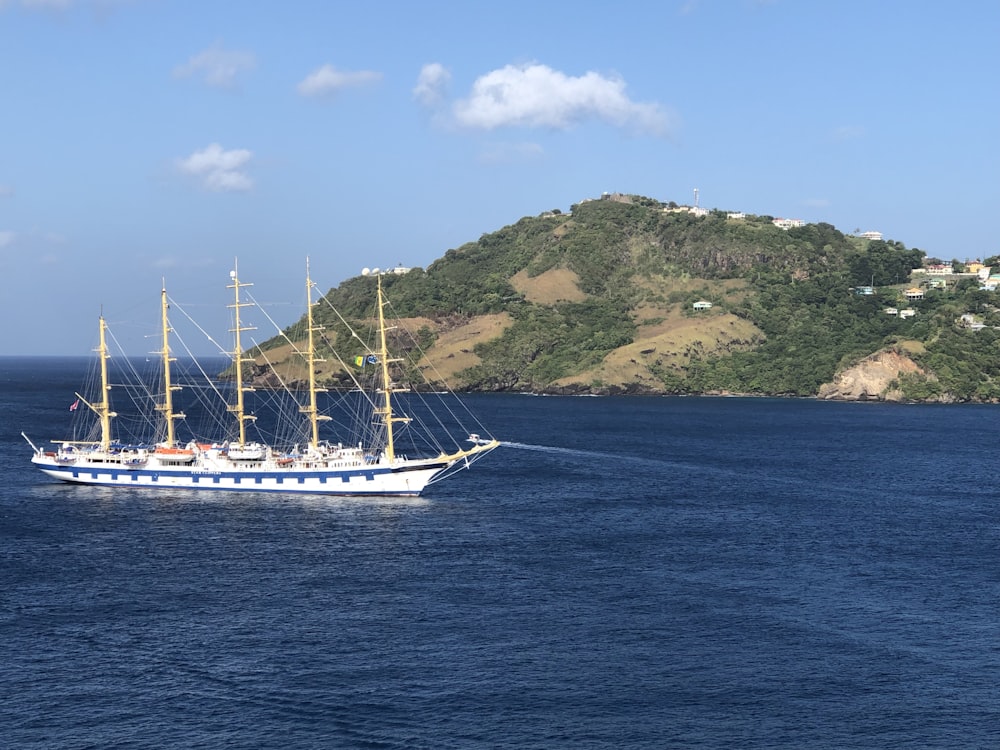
939, 269
968, 320
914, 293
616, 197
702, 305
787, 224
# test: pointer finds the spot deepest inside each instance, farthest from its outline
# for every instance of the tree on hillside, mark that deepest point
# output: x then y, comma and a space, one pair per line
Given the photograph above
883, 263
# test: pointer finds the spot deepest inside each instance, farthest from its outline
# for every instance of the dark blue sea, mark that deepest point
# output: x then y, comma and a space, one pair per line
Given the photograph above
624, 573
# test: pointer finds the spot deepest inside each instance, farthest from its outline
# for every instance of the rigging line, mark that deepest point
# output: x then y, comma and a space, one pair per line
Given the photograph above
213, 414
222, 350
292, 433
205, 375
295, 349
278, 328
347, 325
447, 405
299, 352
137, 383
210, 412
347, 369
270, 366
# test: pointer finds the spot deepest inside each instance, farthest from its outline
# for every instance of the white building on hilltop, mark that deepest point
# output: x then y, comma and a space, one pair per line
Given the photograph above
787, 224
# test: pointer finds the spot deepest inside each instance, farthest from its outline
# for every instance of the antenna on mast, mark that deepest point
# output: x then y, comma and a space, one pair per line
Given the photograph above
696, 197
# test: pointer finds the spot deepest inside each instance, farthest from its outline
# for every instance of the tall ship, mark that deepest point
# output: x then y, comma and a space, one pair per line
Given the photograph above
390, 447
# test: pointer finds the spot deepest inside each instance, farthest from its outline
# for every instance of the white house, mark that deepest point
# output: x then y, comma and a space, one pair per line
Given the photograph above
702, 305
787, 224
940, 269
968, 320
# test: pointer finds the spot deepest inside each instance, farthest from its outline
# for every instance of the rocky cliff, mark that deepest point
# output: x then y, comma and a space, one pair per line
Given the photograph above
871, 378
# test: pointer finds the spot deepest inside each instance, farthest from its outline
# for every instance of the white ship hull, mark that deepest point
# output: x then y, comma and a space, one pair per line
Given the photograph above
404, 478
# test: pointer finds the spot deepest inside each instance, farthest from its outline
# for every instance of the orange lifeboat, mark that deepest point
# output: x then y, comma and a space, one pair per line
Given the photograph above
174, 455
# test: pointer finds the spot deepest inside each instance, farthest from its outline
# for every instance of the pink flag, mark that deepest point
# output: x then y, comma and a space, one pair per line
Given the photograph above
72, 407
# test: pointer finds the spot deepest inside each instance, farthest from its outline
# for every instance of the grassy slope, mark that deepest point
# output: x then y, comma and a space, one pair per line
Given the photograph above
666, 336
601, 299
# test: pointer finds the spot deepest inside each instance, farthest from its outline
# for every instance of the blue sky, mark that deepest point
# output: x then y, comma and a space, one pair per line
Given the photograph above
144, 140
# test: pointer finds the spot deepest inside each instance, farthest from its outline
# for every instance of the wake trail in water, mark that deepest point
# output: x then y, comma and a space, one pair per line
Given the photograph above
580, 453
555, 449
701, 469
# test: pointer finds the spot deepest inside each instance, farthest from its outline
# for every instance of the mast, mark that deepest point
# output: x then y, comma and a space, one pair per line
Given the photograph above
167, 407
238, 359
311, 359
104, 408
386, 410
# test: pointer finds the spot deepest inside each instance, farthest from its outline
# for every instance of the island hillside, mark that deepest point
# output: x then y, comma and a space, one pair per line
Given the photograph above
628, 294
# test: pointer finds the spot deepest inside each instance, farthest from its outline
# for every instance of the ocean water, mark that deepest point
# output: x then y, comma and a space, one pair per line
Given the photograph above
624, 572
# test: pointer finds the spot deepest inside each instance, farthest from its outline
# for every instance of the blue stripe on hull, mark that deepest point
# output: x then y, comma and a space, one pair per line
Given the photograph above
325, 483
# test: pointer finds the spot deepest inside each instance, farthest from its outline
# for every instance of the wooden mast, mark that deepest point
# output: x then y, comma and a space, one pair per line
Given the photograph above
312, 410
383, 357
238, 359
104, 408
167, 407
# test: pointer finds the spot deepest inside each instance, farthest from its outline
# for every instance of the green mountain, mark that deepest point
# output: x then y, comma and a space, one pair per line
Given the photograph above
601, 299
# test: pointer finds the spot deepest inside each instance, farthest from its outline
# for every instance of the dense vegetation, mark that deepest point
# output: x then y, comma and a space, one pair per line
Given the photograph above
802, 287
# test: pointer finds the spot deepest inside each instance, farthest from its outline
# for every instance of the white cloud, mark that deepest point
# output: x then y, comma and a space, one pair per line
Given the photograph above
218, 66
219, 170
327, 80
538, 96
432, 85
